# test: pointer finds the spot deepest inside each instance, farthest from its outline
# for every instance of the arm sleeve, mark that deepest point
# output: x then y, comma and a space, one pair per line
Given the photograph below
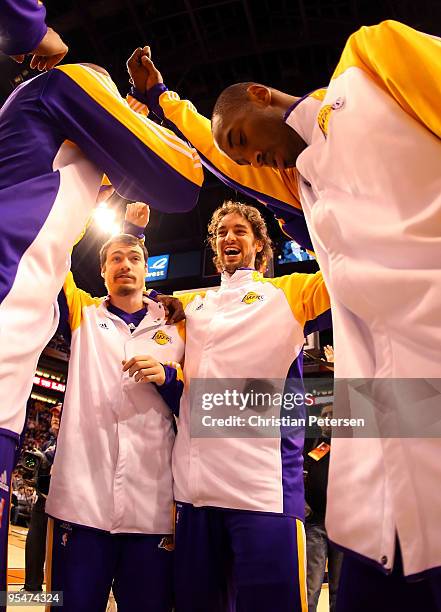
68, 305
308, 298
404, 62
265, 184
142, 160
22, 25
173, 386
278, 191
76, 299
187, 298
133, 230
137, 106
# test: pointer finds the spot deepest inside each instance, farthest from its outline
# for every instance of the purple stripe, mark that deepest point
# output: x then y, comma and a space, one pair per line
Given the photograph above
257, 195
171, 390
295, 226
151, 98
63, 325
296, 103
28, 185
22, 26
291, 447
136, 171
153, 295
24, 209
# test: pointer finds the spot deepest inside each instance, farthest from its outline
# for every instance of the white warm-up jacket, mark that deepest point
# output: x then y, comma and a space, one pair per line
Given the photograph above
112, 468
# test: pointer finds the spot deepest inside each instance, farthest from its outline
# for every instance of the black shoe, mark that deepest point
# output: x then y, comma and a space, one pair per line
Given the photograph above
24, 589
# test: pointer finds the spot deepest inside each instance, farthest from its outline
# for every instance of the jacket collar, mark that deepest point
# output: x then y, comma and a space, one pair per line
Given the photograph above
155, 311
302, 116
241, 276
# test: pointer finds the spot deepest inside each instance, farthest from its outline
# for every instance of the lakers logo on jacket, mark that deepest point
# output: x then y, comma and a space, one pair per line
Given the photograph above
325, 114
252, 297
160, 337
323, 118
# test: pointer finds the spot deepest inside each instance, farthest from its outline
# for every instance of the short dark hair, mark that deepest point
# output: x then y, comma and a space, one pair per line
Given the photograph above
257, 222
126, 239
231, 99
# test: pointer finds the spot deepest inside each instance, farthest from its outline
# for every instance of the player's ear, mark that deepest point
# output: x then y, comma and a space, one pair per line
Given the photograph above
259, 94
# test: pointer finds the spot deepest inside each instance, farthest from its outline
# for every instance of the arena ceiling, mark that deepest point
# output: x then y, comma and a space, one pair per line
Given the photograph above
201, 46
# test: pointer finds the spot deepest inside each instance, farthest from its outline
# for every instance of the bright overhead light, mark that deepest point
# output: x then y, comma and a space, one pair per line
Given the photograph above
105, 219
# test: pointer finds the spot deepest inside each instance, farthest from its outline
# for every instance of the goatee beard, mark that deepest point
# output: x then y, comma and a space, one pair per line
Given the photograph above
243, 263
124, 291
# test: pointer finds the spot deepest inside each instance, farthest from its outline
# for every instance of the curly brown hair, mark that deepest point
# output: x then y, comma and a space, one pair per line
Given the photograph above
257, 222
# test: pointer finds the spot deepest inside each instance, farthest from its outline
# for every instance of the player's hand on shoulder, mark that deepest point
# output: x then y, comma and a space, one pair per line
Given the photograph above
174, 311
49, 52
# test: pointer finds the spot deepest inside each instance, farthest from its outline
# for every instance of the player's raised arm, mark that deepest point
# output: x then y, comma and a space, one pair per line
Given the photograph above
143, 161
265, 184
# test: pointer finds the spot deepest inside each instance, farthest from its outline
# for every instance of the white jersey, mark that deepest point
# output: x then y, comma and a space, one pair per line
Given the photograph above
251, 330
112, 468
370, 188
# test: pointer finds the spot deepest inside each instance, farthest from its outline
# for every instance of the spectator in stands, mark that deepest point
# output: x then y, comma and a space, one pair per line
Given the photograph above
25, 497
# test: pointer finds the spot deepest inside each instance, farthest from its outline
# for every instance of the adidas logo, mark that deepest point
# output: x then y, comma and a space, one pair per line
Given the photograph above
4, 481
